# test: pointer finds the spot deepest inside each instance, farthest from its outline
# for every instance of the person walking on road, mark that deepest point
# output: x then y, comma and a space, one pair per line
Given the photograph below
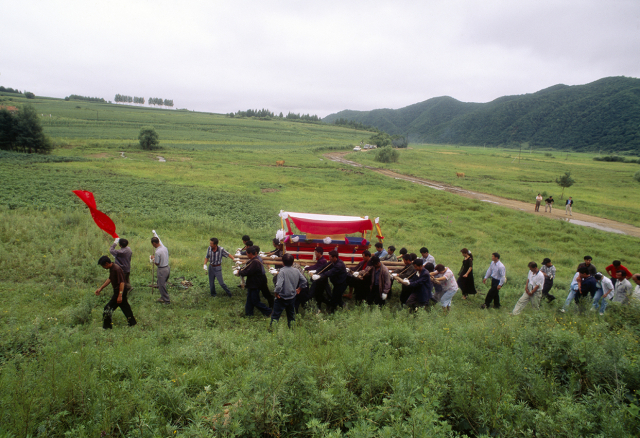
548, 203
568, 206
538, 201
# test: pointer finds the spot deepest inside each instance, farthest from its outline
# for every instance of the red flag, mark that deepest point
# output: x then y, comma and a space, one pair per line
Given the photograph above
102, 220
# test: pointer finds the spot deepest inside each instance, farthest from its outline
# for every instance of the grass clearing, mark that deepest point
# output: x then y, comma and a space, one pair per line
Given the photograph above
200, 368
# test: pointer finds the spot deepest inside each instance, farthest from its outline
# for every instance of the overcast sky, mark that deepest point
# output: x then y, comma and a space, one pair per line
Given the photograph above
314, 57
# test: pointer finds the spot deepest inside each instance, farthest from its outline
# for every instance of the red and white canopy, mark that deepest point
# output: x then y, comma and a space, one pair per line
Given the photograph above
326, 224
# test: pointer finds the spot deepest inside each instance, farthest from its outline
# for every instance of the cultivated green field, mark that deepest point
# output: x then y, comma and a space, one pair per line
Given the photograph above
199, 368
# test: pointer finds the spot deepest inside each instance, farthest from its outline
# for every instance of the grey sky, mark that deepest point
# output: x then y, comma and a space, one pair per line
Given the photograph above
314, 57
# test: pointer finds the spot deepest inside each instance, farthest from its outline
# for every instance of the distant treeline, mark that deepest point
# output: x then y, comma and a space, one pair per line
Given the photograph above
85, 98
355, 125
27, 94
604, 114
10, 90
616, 158
121, 98
266, 114
161, 102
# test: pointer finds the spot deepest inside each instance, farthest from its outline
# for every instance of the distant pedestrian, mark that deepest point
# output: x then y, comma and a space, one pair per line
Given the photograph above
549, 272
538, 201
161, 260
548, 203
497, 272
604, 293
119, 297
567, 206
289, 284
122, 257
532, 289
214, 261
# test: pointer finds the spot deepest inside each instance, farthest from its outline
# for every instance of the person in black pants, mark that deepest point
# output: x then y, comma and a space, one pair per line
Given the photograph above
119, 298
497, 272
549, 272
338, 275
253, 272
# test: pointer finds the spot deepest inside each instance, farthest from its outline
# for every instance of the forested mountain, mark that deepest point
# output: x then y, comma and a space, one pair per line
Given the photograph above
604, 114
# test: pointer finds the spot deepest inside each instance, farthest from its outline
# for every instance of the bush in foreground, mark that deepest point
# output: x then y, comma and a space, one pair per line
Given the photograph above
149, 138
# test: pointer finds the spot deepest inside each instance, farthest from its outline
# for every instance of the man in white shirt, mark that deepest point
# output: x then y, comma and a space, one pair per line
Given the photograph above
532, 290
604, 292
161, 260
497, 272
623, 289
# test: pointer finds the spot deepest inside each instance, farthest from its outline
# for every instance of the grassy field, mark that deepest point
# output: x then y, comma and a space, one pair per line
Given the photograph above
200, 368
604, 189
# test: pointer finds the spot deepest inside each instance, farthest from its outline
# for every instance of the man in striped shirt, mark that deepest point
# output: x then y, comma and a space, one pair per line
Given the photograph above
497, 272
214, 258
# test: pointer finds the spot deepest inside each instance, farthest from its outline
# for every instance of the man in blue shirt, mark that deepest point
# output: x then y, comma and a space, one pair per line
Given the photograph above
380, 252
289, 284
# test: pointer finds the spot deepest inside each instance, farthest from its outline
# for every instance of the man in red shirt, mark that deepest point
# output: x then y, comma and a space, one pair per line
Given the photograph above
614, 267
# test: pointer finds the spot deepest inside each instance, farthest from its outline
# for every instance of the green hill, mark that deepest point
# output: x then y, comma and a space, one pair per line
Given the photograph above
604, 114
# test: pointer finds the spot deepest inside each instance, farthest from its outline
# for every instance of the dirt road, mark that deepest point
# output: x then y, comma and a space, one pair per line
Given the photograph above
557, 213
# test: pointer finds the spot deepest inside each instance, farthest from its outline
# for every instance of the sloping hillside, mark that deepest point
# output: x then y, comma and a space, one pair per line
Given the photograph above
604, 114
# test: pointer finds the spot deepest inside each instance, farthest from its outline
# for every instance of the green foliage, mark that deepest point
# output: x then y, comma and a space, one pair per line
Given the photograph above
29, 95
565, 181
616, 158
387, 155
353, 124
9, 90
22, 132
85, 98
636, 176
604, 114
149, 138
399, 141
381, 139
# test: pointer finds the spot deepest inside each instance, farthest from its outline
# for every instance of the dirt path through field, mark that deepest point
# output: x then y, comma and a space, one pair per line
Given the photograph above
557, 213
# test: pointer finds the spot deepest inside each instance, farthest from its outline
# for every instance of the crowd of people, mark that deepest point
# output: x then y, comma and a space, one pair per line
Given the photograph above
423, 282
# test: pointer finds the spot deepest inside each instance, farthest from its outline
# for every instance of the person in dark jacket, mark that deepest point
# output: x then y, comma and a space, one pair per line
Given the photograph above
420, 286
319, 289
338, 276
253, 272
407, 270
119, 297
360, 283
380, 283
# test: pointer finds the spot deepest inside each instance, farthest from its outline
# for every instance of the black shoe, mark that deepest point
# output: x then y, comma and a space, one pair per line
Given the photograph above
484, 306
214, 295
